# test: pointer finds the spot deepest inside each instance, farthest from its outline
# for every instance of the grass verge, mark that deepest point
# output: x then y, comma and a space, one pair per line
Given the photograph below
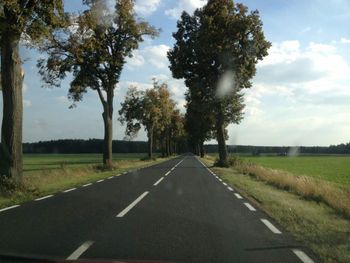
315, 224
49, 181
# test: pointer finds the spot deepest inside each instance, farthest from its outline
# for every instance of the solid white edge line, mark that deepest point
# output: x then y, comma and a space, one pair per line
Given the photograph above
69, 190
156, 183
167, 173
8, 208
238, 196
225, 184
270, 226
44, 197
80, 250
220, 179
302, 256
250, 207
99, 181
230, 188
129, 207
85, 185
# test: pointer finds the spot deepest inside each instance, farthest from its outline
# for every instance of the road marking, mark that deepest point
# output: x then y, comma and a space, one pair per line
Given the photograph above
172, 169
180, 162
129, 207
85, 185
225, 184
167, 173
80, 250
69, 190
44, 197
302, 256
214, 174
99, 181
238, 196
220, 179
230, 188
270, 226
250, 207
8, 208
156, 183
110, 177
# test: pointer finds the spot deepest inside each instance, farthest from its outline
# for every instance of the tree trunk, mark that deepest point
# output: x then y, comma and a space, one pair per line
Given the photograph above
201, 145
150, 143
220, 133
11, 164
108, 126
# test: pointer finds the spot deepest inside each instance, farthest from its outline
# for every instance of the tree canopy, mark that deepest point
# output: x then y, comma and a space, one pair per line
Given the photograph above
94, 50
216, 51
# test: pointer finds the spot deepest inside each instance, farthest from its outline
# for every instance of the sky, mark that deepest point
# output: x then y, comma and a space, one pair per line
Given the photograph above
300, 94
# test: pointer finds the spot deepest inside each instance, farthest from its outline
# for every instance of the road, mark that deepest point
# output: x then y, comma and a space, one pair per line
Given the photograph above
176, 211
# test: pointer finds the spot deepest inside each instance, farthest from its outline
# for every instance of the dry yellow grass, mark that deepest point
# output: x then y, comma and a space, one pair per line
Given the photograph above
310, 188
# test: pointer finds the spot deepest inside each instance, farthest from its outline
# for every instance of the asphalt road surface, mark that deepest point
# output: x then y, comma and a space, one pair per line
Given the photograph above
176, 211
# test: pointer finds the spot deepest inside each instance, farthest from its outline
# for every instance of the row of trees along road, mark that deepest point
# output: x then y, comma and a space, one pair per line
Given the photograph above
90, 46
156, 111
216, 52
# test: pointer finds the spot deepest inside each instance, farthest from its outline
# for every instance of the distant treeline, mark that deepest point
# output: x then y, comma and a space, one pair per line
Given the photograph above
95, 146
282, 150
83, 146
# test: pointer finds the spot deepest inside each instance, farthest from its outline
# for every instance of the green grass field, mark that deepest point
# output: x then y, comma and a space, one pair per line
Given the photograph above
334, 169
35, 162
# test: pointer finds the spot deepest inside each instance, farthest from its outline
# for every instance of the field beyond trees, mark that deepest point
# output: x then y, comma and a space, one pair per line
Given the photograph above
334, 169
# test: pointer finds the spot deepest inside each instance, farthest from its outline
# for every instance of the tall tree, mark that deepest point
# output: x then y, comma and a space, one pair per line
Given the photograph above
219, 47
33, 20
94, 50
151, 109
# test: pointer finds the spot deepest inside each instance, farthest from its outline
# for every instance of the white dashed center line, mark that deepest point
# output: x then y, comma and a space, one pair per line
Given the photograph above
270, 226
302, 256
8, 208
80, 250
44, 197
229, 188
129, 207
69, 190
156, 183
167, 173
250, 207
225, 184
238, 196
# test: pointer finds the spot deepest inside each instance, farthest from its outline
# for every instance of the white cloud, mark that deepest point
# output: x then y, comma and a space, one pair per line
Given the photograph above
62, 99
344, 40
155, 55
146, 7
27, 103
25, 87
300, 96
184, 5
136, 60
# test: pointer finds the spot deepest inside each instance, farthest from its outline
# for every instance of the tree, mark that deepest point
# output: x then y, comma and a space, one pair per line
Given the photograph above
176, 131
218, 47
34, 21
94, 50
152, 109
